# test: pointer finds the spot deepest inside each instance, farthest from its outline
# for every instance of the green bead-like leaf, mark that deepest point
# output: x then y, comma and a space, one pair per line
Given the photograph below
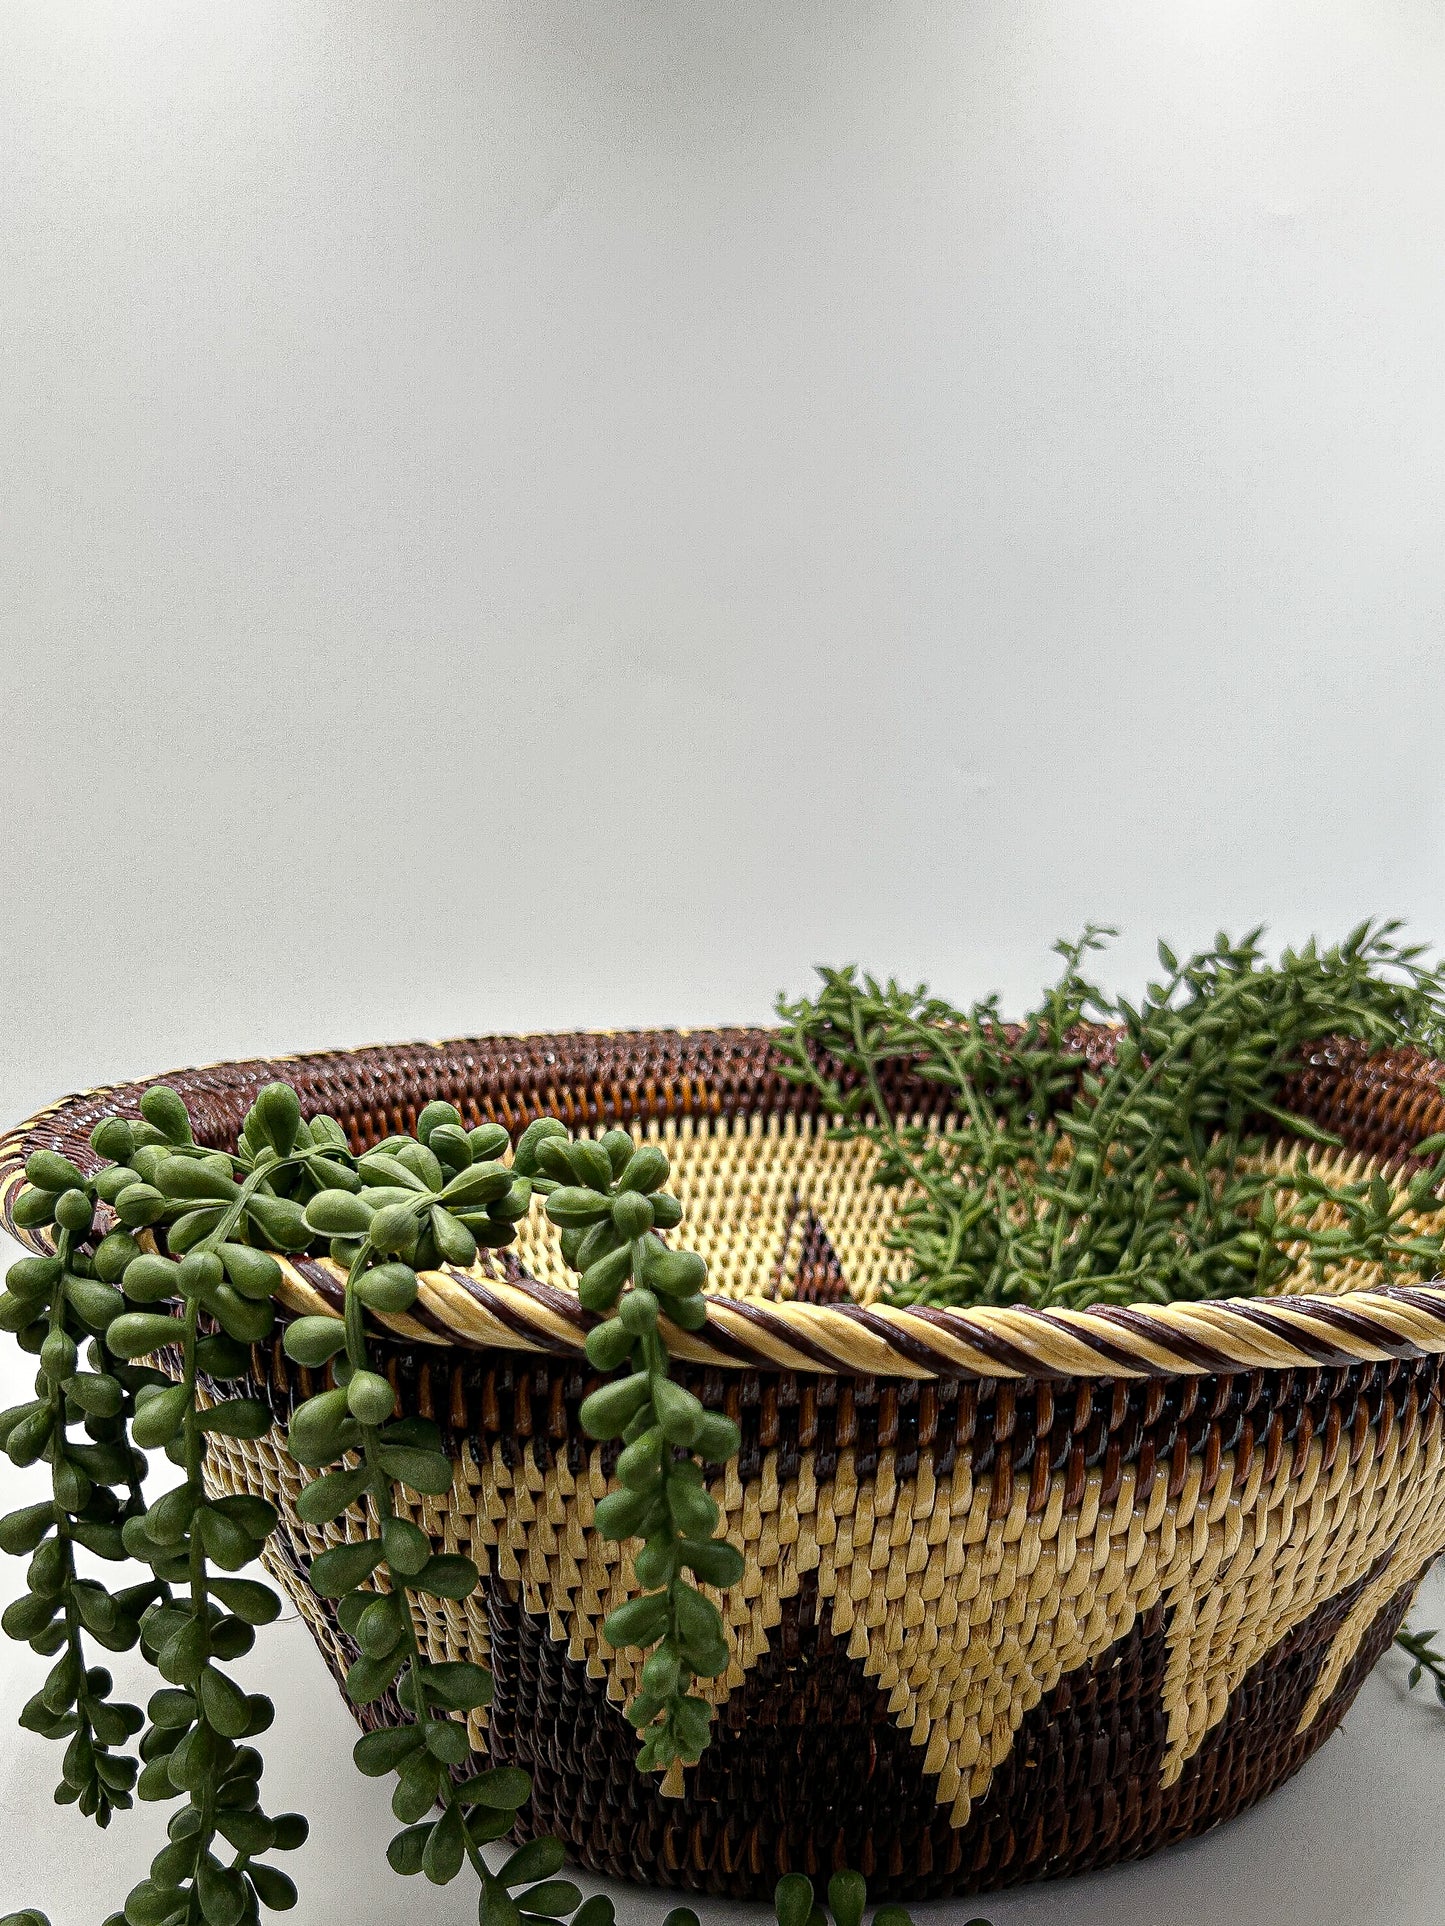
538, 1859
717, 1439
164, 1110
445, 1849
454, 1241
459, 1686
224, 1703
385, 1750
275, 1118
192, 1179
280, 1221
632, 1215
344, 1567
248, 1599
138, 1333
97, 1305
637, 1622
183, 1656
316, 1431
609, 1344
313, 1341
427, 1472
49, 1170
674, 1273
715, 1561
255, 1274
291, 1832
331, 1494
21, 1531
238, 1418
524, 1158
571, 1207
140, 1204
380, 1626
387, 1288
646, 1169
370, 1399
159, 1416
227, 1542
679, 1413
847, 1896
406, 1545
151, 1279
622, 1514
553, 1899
339, 1213
448, 1575
608, 1410
481, 1184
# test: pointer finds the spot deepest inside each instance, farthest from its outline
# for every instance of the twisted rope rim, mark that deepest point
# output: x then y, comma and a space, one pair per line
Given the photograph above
1382, 1104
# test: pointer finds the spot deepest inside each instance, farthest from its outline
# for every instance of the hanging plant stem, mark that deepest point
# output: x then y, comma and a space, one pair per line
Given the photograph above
608, 1199
407, 1207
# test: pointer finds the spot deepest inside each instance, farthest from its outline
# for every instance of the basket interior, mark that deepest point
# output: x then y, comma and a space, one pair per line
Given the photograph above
781, 1209
778, 1207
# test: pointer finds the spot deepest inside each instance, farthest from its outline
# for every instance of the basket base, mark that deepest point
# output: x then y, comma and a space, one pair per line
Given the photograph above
815, 1780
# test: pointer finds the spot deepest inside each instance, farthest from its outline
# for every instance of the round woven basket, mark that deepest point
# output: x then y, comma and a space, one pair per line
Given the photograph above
1026, 1592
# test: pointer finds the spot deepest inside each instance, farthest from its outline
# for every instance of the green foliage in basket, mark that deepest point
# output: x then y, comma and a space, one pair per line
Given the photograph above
1052, 1183
188, 1270
1425, 1656
794, 1904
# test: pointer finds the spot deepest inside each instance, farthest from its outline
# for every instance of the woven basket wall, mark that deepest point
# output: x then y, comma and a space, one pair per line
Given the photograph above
1025, 1592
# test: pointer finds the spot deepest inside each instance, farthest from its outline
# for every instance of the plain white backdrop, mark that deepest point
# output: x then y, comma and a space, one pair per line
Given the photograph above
568, 514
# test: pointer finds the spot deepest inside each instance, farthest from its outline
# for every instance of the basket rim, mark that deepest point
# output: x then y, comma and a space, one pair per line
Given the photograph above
470, 1310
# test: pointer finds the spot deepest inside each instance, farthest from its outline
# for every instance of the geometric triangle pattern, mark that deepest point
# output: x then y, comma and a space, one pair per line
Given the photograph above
965, 1613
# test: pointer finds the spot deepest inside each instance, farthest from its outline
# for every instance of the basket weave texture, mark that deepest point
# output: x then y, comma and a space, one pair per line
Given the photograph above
1024, 1592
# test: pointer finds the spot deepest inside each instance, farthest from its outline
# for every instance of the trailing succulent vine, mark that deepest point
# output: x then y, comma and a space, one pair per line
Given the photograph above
795, 1904
1053, 1182
186, 1275
187, 1621
609, 1201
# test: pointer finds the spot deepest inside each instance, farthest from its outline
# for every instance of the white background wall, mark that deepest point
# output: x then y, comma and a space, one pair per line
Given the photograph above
556, 514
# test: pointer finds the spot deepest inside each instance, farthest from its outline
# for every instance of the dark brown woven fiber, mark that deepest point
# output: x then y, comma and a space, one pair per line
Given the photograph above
807, 1772
1024, 1593
1379, 1105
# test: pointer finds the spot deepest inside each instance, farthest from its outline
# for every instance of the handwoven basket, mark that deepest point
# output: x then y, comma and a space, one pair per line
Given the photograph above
1026, 1592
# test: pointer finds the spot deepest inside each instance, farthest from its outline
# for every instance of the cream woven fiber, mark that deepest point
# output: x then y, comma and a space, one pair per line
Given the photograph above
758, 1191
964, 1620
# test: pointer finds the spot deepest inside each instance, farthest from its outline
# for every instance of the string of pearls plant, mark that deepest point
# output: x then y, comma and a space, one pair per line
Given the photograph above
1053, 1181
166, 1251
